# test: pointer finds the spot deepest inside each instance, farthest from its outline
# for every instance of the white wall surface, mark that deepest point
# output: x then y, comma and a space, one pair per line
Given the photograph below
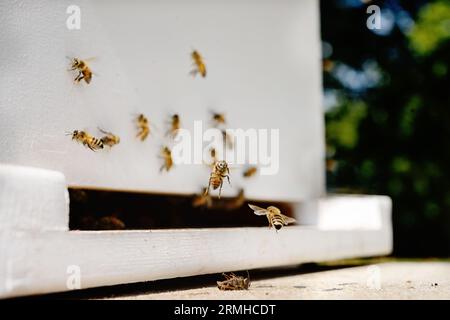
263, 60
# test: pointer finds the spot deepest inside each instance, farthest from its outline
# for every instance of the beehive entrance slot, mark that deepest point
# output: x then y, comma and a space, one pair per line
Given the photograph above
114, 210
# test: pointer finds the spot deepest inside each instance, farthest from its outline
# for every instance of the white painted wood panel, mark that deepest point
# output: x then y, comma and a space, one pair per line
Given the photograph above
40, 260
263, 61
37, 250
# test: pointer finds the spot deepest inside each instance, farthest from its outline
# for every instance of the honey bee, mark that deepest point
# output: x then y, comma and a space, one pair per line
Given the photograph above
234, 282
84, 72
249, 172
166, 154
87, 140
236, 202
200, 66
175, 124
202, 200
143, 127
109, 139
213, 155
273, 214
218, 119
228, 139
109, 223
219, 172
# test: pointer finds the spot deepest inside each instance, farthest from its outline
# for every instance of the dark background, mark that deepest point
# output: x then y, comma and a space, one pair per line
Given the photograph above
386, 97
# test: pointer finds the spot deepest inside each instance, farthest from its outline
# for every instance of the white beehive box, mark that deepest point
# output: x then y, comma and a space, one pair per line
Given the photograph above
263, 65
263, 61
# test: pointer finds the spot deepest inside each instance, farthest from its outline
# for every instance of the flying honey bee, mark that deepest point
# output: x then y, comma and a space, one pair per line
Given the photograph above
234, 282
84, 72
273, 214
202, 200
228, 139
236, 202
86, 139
213, 155
143, 127
218, 119
250, 172
219, 172
109, 139
175, 125
199, 64
166, 154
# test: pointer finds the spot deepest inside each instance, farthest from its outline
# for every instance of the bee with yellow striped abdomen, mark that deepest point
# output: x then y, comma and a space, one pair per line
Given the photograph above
84, 72
219, 172
274, 215
87, 140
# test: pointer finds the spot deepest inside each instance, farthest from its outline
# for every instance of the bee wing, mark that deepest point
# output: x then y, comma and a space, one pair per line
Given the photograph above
234, 167
258, 210
90, 59
226, 276
103, 131
288, 220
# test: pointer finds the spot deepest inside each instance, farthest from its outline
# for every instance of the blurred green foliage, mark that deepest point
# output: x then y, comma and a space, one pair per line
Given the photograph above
393, 136
432, 27
342, 131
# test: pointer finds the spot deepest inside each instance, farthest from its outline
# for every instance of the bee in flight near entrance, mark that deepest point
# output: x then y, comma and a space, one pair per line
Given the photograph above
228, 139
219, 172
84, 72
213, 156
234, 282
109, 139
175, 125
199, 64
250, 172
218, 119
236, 202
143, 127
86, 139
166, 154
274, 215
202, 200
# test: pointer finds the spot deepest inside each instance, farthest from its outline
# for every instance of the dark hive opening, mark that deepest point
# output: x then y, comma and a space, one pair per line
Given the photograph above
114, 210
